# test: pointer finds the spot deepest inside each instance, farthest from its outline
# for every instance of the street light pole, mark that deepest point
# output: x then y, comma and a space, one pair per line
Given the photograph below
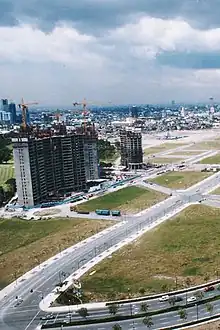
131, 309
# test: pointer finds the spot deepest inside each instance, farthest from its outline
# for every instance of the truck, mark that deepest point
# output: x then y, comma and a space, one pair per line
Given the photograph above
116, 213
102, 212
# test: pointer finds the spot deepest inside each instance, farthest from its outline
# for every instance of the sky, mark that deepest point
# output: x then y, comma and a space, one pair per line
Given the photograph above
118, 51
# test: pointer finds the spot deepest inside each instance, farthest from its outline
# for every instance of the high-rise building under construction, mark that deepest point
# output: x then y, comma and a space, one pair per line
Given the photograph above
131, 148
52, 166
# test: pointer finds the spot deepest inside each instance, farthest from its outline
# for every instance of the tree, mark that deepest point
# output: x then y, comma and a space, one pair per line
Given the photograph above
199, 295
172, 301
105, 149
142, 291
83, 312
113, 308
164, 287
5, 152
182, 314
209, 308
144, 307
206, 278
188, 282
116, 327
148, 321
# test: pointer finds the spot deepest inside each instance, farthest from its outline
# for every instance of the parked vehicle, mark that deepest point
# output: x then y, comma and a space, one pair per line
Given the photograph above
102, 212
116, 213
209, 288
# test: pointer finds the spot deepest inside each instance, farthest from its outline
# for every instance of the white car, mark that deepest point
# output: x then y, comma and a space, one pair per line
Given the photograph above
191, 299
164, 298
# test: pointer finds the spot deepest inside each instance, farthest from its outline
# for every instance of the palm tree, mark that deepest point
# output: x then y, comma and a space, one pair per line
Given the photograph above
199, 295
209, 308
172, 301
116, 327
182, 314
113, 308
144, 307
83, 312
148, 321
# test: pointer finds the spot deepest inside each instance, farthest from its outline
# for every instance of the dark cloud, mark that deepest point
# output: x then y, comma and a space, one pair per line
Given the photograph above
7, 15
190, 60
96, 15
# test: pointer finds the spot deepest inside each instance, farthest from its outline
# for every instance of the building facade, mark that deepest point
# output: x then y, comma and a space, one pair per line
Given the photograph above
131, 148
12, 110
48, 167
5, 114
91, 156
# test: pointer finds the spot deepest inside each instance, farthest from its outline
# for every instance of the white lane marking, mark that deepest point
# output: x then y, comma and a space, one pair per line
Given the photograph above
32, 320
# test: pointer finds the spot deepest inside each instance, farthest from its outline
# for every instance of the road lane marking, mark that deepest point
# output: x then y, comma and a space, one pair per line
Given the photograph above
32, 321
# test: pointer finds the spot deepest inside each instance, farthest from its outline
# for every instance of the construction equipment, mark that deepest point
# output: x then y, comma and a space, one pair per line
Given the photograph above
57, 116
24, 107
85, 111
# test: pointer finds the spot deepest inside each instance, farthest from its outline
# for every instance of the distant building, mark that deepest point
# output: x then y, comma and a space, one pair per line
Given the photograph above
4, 105
12, 110
48, 167
5, 115
131, 148
183, 112
134, 112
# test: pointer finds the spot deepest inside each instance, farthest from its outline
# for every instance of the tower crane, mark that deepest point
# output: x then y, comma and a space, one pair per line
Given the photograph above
85, 111
24, 107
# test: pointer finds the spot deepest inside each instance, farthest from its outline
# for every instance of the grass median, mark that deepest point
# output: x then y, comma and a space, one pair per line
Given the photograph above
161, 160
24, 244
162, 148
181, 180
183, 250
127, 200
211, 160
206, 145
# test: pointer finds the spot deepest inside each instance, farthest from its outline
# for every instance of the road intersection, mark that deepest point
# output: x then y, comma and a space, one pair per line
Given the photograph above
27, 315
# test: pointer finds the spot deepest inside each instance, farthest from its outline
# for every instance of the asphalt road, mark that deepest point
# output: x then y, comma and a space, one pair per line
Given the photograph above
27, 315
159, 321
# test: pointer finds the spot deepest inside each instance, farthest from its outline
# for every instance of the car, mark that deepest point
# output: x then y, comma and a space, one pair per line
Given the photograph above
48, 317
209, 288
191, 299
164, 298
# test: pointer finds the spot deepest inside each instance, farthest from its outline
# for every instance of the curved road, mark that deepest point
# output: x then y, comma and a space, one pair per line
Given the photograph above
27, 315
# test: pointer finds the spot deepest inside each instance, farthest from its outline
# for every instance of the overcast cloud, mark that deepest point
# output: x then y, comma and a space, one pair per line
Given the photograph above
123, 51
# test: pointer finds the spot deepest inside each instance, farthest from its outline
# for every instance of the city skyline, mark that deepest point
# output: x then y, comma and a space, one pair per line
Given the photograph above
123, 52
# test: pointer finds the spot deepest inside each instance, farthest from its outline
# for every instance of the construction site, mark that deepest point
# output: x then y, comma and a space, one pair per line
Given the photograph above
51, 163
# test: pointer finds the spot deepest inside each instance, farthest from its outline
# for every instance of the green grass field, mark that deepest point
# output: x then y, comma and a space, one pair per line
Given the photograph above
165, 160
185, 153
183, 248
211, 160
131, 199
206, 145
24, 244
180, 180
162, 147
6, 172
216, 192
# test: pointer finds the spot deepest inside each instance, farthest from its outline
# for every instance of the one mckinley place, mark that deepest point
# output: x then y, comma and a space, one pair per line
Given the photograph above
48, 168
